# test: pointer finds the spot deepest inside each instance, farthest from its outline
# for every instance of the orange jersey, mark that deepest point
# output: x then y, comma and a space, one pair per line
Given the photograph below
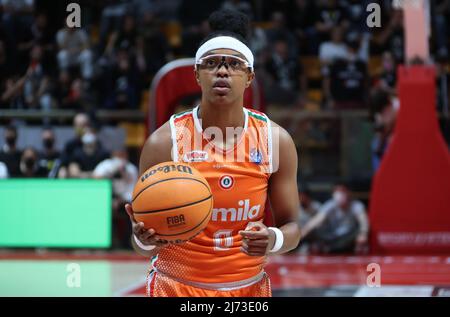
238, 178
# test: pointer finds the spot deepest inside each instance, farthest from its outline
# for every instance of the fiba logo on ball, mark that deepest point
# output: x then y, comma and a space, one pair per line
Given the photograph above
226, 182
175, 221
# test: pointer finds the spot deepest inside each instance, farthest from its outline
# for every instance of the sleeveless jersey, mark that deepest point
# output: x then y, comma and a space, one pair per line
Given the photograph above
238, 178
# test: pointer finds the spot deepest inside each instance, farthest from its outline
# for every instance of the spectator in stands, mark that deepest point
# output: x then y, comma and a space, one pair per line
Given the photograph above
279, 31
193, 18
37, 34
346, 81
74, 51
258, 43
308, 207
125, 38
337, 48
10, 84
123, 173
442, 84
152, 45
440, 15
124, 63
81, 123
9, 153
49, 157
194, 23
238, 5
387, 79
111, 19
37, 85
301, 21
124, 176
17, 18
42, 34
165, 10
68, 91
16, 13
12, 91
329, 14
6, 68
287, 79
355, 25
123, 79
355, 15
392, 36
29, 166
3, 171
341, 223
384, 114
269, 7
329, 51
85, 160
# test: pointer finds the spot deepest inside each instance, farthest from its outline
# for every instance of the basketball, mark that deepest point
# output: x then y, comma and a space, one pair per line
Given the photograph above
174, 199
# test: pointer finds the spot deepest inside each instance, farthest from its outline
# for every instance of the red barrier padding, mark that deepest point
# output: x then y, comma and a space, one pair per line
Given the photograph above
410, 201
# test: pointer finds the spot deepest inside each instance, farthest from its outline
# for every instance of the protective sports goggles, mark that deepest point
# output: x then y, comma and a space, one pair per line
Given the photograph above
215, 61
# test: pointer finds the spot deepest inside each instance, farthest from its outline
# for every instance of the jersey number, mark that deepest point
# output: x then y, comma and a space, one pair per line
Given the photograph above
223, 240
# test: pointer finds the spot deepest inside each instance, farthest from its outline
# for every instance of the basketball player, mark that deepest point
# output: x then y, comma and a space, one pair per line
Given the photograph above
228, 257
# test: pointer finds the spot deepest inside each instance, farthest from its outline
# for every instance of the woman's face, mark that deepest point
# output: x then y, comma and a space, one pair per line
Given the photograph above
223, 84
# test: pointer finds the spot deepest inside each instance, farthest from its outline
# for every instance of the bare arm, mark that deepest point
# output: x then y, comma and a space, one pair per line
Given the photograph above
283, 190
283, 196
157, 149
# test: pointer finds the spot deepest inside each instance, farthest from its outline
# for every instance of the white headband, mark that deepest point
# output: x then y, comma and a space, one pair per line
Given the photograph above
225, 42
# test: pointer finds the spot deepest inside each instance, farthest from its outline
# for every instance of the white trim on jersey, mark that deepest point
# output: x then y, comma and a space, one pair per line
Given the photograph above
269, 143
245, 119
199, 128
218, 148
150, 278
197, 124
173, 135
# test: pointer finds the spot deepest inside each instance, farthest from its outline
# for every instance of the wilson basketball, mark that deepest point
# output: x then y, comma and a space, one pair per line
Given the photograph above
174, 199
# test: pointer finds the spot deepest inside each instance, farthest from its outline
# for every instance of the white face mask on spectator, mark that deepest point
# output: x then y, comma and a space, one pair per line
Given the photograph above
339, 197
89, 141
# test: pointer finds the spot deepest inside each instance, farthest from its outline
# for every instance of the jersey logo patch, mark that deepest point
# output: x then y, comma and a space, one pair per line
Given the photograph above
255, 156
226, 182
195, 156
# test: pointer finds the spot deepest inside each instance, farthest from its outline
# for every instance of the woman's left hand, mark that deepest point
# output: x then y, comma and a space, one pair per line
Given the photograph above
257, 239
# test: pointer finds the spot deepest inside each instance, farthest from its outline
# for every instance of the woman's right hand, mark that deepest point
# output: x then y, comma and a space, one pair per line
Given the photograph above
145, 236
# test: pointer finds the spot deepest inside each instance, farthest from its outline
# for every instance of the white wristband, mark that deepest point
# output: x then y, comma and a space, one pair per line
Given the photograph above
279, 239
142, 246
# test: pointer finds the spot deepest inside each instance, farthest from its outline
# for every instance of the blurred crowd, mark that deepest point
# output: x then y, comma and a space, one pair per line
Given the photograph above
111, 59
